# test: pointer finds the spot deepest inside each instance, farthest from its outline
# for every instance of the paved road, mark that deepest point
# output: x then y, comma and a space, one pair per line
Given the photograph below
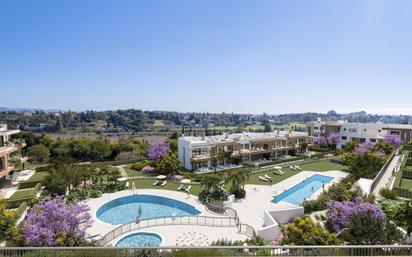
385, 178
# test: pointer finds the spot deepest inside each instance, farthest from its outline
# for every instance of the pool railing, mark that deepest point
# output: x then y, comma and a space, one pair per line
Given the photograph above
173, 220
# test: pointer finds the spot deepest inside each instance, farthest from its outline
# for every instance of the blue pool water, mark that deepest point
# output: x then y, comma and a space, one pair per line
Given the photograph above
140, 239
305, 189
125, 209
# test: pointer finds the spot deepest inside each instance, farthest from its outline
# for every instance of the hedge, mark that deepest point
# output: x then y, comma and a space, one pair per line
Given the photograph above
20, 210
116, 162
15, 202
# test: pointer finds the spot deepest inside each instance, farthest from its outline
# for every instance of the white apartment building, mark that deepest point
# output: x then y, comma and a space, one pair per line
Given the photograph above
202, 153
358, 132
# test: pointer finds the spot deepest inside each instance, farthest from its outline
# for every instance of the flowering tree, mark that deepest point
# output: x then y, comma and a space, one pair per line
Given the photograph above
54, 223
320, 141
333, 138
364, 148
340, 213
158, 150
394, 140
148, 169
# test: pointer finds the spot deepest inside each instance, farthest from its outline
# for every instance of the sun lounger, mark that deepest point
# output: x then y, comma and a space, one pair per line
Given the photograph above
163, 183
181, 187
156, 183
297, 167
292, 167
188, 188
266, 176
263, 179
279, 172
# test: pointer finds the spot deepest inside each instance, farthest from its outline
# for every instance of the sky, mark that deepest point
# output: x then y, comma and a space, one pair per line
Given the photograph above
207, 56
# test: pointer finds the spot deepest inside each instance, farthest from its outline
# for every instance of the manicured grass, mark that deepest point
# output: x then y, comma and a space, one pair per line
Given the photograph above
22, 194
134, 173
406, 183
321, 165
38, 176
148, 184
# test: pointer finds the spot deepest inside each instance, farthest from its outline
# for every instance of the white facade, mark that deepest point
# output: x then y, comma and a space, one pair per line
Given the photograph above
238, 147
361, 132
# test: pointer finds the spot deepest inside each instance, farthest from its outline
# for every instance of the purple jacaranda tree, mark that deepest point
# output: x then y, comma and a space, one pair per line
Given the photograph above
55, 223
340, 213
320, 140
380, 154
158, 150
333, 138
364, 148
394, 140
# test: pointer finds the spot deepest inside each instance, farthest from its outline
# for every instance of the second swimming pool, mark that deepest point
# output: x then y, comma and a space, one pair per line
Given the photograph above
305, 189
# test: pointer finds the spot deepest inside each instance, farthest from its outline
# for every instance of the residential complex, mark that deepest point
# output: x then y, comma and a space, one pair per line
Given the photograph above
7, 150
203, 153
358, 132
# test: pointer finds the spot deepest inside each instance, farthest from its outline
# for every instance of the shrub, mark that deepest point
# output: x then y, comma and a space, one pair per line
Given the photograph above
138, 165
388, 194
95, 193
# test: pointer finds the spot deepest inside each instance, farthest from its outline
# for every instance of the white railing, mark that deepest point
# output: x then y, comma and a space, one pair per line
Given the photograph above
166, 221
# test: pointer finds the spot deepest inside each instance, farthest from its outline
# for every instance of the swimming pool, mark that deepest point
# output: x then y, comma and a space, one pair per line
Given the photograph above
305, 189
140, 239
125, 209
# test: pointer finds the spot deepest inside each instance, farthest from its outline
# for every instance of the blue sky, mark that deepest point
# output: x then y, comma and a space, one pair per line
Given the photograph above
215, 55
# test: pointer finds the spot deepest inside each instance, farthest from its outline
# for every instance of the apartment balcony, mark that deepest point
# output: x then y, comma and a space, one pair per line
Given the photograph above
261, 150
201, 158
6, 171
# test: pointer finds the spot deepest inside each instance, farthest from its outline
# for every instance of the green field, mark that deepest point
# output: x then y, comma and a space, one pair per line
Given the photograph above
406, 183
321, 166
38, 176
148, 184
22, 194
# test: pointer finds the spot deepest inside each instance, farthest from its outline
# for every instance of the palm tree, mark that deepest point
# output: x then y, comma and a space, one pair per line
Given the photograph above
238, 177
211, 183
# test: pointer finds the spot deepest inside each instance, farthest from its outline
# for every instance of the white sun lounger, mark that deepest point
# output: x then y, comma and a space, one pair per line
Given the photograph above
156, 183
279, 172
181, 187
297, 167
266, 176
263, 179
163, 183
292, 167
188, 188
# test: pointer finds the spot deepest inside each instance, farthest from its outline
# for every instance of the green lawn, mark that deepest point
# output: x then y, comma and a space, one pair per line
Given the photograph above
38, 176
134, 173
321, 165
406, 183
148, 184
22, 194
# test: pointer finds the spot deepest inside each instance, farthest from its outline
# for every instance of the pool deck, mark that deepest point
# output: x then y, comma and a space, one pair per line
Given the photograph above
101, 228
250, 210
258, 198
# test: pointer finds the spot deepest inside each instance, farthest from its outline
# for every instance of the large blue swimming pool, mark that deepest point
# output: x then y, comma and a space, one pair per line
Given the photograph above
125, 209
305, 189
140, 239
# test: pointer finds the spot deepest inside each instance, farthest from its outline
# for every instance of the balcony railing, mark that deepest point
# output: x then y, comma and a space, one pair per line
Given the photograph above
166, 251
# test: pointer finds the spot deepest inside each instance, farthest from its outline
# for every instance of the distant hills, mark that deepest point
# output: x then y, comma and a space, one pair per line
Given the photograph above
6, 109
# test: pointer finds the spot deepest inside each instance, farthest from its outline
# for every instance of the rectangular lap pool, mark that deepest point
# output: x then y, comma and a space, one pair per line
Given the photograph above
305, 189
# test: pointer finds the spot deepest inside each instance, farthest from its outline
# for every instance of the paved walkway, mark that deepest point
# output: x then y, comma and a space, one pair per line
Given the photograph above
384, 181
258, 197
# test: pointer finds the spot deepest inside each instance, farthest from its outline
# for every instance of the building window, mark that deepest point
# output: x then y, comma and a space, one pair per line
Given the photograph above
364, 130
344, 137
353, 130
